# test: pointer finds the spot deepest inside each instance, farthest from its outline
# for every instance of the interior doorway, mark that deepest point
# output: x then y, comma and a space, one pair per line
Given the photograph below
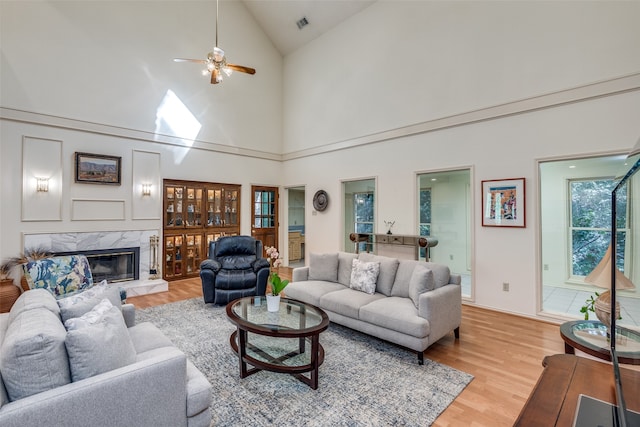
444, 212
264, 215
296, 226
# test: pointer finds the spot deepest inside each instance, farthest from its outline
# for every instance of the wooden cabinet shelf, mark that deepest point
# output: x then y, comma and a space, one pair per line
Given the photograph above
196, 213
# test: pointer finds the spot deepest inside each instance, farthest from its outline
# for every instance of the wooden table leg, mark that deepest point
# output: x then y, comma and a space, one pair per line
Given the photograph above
568, 349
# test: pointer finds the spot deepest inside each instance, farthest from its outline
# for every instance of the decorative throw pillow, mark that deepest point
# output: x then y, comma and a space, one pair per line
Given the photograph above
421, 281
323, 267
388, 269
78, 304
98, 342
364, 276
60, 275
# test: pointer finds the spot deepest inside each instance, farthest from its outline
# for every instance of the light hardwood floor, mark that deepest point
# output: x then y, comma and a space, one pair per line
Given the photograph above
503, 352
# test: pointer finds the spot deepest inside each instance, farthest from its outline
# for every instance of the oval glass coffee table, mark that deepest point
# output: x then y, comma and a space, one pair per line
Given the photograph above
286, 341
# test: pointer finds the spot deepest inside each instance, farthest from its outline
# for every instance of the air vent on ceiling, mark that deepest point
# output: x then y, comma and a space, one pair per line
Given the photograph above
303, 22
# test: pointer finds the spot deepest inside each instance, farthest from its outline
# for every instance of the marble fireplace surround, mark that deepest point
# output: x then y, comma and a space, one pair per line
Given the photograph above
87, 241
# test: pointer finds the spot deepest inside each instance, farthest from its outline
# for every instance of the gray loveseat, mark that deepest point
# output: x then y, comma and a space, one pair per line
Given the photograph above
54, 376
413, 304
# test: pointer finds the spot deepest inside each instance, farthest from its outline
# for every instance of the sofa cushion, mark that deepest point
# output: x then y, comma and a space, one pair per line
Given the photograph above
36, 298
146, 336
323, 267
364, 276
388, 269
198, 391
311, 291
80, 303
98, 342
421, 281
347, 302
403, 277
441, 274
397, 314
60, 275
344, 267
33, 357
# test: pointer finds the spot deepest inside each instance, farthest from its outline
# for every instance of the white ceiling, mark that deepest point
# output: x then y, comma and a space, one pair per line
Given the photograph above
278, 18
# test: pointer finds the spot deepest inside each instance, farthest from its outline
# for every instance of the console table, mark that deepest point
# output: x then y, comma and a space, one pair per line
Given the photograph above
371, 242
554, 400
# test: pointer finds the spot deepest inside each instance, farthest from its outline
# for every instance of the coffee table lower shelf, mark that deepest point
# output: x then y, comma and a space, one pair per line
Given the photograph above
239, 344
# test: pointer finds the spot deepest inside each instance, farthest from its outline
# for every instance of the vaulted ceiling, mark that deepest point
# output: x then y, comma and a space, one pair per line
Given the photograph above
278, 18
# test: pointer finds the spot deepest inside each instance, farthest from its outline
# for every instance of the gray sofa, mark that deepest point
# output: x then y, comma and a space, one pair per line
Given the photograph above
106, 373
414, 304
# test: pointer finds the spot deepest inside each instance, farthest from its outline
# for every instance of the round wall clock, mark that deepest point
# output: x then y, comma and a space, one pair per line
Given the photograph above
320, 200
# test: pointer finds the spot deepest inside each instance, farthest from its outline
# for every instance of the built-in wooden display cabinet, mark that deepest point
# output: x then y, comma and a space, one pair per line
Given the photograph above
196, 213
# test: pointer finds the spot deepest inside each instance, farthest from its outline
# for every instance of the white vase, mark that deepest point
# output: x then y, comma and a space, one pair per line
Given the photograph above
273, 303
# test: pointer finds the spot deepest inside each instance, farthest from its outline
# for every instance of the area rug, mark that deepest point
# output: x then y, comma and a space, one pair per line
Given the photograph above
362, 382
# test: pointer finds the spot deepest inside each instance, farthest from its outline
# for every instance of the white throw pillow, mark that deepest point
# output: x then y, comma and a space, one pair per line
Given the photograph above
98, 342
364, 276
80, 303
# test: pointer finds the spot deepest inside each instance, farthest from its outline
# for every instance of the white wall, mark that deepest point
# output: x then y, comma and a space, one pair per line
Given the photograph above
398, 63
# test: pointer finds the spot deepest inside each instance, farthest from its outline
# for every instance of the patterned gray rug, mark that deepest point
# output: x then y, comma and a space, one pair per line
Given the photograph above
362, 382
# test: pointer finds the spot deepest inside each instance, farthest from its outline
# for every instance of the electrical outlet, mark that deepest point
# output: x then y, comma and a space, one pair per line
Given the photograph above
451, 257
505, 286
546, 267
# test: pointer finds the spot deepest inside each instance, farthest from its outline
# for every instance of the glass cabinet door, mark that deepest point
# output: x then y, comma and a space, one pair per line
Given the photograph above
173, 207
173, 251
231, 207
193, 215
194, 253
214, 208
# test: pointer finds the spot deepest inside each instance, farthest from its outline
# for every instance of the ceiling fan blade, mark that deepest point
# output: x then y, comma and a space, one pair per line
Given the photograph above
241, 68
214, 76
199, 61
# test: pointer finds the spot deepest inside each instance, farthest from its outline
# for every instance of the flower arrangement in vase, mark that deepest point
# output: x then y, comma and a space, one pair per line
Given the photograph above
276, 285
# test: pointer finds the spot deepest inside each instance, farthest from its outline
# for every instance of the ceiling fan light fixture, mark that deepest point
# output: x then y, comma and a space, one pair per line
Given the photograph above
228, 71
218, 54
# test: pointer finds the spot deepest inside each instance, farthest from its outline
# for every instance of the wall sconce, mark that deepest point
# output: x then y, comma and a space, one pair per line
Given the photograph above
42, 185
146, 189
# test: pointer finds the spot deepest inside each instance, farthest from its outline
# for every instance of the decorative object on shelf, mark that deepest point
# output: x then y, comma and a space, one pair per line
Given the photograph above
389, 225
503, 203
601, 277
320, 200
97, 169
154, 244
216, 62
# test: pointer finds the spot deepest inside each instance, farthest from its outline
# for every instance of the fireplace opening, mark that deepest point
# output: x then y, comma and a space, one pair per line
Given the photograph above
112, 265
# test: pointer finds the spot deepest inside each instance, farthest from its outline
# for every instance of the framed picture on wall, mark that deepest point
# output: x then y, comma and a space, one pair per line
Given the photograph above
503, 203
97, 169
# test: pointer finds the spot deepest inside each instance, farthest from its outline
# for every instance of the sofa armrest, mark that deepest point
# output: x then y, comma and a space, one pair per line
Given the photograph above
300, 274
129, 314
147, 393
442, 307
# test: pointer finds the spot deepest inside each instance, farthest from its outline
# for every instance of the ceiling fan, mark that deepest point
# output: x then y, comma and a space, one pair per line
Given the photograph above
216, 61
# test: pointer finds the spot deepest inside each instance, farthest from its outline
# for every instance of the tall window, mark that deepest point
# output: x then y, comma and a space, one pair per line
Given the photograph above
359, 212
425, 216
590, 225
